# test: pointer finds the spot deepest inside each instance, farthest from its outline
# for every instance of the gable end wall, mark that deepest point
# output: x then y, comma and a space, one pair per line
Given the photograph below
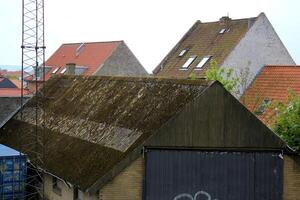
259, 47
216, 120
122, 62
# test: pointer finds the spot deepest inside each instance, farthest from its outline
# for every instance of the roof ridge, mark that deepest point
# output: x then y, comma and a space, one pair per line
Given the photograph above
198, 81
240, 19
112, 41
274, 66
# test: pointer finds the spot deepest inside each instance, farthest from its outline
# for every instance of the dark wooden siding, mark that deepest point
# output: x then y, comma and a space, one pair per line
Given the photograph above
216, 120
178, 175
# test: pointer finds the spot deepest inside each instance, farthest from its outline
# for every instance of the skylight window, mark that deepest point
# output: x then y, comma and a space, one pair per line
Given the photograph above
182, 53
79, 49
55, 70
222, 31
204, 60
63, 71
189, 61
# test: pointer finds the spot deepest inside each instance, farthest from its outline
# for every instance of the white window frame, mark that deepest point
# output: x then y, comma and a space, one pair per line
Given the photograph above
55, 70
182, 53
222, 31
203, 61
63, 70
188, 62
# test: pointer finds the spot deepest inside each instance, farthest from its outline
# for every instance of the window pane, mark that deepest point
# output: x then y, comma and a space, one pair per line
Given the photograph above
203, 62
188, 62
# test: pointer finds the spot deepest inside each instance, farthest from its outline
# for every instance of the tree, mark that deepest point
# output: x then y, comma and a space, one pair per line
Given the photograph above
225, 76
287, 122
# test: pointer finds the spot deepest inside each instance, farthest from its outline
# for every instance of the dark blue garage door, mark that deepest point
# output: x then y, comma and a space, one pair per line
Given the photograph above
198, 175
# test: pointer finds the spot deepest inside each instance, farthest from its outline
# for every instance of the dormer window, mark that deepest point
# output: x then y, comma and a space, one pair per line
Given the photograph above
182, 52
189, 61
80, 70
204, 60
222, 31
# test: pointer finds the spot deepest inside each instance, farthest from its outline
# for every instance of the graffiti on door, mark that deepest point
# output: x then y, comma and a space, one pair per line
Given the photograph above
187, 196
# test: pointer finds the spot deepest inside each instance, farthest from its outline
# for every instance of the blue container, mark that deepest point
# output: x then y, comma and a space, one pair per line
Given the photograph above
12, 173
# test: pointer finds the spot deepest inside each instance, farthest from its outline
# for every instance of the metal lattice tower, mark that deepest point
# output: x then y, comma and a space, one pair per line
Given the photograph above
33, 68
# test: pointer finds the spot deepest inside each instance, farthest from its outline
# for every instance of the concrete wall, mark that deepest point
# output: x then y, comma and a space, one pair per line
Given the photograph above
127, 185
8, 105
122, 62
291, 177
260, 46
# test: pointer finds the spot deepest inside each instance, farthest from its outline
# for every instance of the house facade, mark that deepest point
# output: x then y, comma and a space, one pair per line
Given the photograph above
154, 138
243, 44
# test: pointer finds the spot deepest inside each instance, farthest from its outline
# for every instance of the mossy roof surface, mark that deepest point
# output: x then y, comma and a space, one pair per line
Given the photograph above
92, 123
203, 39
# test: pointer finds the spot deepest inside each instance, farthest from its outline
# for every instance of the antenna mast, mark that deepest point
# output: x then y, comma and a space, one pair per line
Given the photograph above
33, 69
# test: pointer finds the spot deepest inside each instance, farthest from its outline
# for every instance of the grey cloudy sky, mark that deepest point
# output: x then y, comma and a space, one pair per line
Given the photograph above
150, 28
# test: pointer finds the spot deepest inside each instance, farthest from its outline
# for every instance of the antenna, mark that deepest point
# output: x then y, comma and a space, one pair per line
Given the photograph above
33, 63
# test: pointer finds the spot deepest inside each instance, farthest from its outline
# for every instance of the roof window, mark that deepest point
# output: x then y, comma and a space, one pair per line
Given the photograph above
222, 31
189, 61
79, 49
55, 70
182, 52
204, 60
63, 71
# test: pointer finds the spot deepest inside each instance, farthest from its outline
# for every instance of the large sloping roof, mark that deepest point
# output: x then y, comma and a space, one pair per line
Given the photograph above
272, 83
92, 123
201, 40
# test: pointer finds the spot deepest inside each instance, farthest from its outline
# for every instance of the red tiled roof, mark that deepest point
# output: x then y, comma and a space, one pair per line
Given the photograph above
16, 82
7, 73
12, 92
92, 55
273, 83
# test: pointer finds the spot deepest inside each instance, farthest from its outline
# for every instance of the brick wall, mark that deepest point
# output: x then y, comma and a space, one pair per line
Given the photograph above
127, 185
291, 185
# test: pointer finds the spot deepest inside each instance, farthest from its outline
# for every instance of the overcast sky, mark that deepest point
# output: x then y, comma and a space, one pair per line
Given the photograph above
150, 28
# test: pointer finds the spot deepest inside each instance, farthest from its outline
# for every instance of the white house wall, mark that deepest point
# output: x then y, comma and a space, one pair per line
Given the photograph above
260, 46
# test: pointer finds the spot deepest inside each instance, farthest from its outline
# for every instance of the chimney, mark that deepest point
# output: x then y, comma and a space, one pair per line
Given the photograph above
70, 68
251, 22
225, 20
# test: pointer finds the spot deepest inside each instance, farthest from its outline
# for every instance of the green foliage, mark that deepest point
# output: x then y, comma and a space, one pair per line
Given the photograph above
193, 76
224, 75
287, 124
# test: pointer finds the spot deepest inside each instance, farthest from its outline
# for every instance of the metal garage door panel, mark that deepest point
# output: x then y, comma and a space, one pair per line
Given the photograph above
184, 175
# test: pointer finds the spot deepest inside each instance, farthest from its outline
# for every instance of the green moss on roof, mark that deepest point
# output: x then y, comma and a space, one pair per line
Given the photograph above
92, 123
73, 159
